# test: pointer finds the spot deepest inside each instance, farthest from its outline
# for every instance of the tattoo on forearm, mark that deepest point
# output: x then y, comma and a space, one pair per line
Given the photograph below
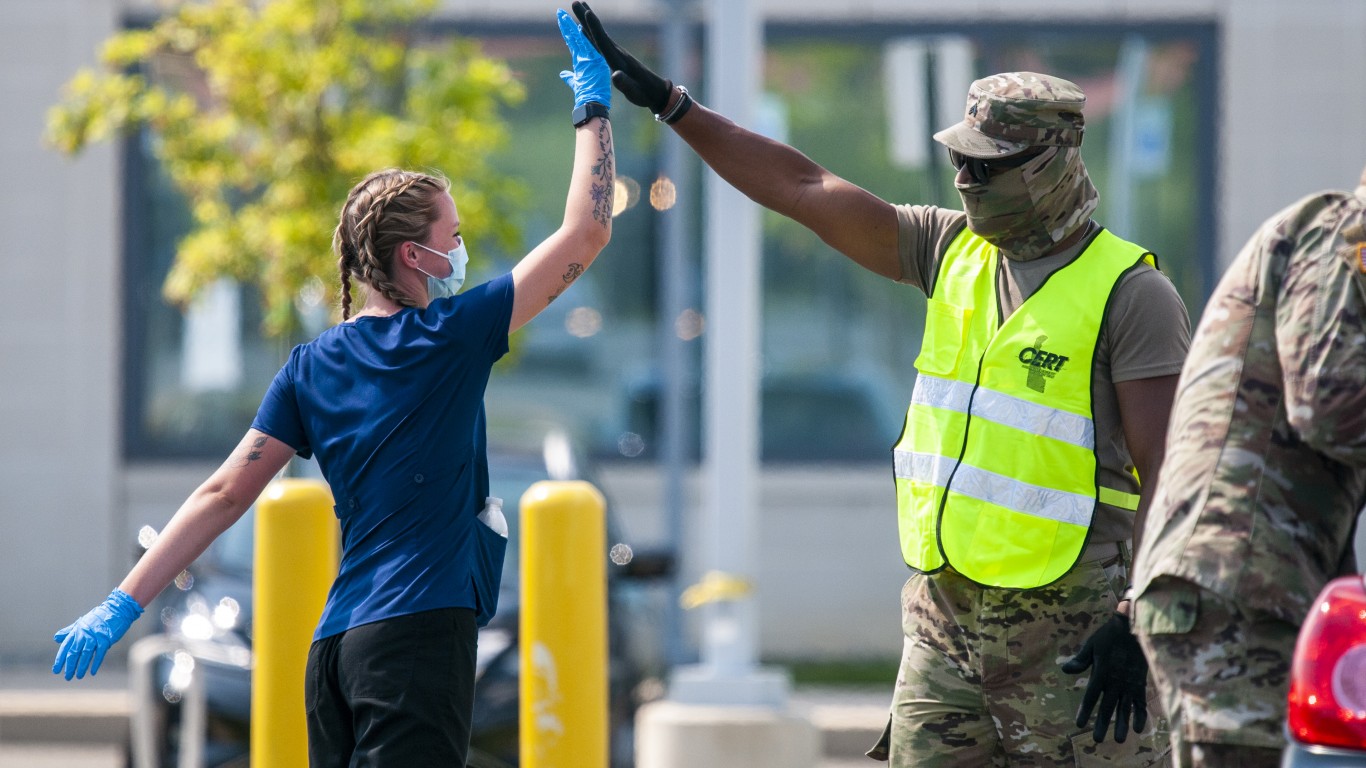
605, 170
602, 203
570, 275
604, 136
253, 453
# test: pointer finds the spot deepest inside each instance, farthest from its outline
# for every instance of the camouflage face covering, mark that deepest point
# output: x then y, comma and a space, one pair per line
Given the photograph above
1026, 211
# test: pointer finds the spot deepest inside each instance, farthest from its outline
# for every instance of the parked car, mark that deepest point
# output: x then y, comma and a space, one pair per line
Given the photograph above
207, 636
825, 417
1326, 720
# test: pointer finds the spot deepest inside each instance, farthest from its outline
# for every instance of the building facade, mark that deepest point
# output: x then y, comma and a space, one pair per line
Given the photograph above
1272, 113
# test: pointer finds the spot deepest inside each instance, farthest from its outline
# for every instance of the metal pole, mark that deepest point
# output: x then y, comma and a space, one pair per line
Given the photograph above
1119, 205
728, 674
678, 373
194, 719
142, 721
731, 401
933, 158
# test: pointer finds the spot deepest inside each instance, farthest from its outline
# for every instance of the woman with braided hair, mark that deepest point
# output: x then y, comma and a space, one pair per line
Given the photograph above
391, 401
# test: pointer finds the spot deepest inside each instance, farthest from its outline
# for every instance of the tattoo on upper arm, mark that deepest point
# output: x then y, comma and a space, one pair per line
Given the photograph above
252, 453
570, 275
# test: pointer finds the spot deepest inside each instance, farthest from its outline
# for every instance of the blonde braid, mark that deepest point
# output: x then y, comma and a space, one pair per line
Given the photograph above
373, 271
379, 215
344, 267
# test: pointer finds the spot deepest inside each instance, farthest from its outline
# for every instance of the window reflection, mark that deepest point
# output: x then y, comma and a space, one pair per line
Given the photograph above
192, 379
838, 342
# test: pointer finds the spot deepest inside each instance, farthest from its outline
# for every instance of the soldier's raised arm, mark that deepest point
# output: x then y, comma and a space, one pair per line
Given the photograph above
848, 218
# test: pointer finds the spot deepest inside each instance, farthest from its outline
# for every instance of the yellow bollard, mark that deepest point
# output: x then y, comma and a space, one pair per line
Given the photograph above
563, 684
295, 562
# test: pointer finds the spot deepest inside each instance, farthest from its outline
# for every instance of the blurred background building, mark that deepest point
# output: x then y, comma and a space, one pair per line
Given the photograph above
1203, 118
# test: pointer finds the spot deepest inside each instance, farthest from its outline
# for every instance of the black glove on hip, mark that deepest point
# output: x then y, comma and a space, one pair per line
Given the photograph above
636, 81
1119, 679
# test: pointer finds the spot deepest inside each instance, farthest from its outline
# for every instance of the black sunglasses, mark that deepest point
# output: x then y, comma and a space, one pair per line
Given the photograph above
980, 170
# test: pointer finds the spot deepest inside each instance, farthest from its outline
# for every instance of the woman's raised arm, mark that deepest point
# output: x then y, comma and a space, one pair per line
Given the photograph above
551, 267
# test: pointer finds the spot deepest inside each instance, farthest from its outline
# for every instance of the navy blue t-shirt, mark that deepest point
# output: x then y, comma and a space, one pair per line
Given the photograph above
393, 408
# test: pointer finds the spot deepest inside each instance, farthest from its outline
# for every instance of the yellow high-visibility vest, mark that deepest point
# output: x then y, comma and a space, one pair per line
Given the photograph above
996, 466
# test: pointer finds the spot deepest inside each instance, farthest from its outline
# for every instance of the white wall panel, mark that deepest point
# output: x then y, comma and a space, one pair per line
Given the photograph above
59, 340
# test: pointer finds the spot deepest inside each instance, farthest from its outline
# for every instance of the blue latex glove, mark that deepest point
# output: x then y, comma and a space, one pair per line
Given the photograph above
85, 642
591, 78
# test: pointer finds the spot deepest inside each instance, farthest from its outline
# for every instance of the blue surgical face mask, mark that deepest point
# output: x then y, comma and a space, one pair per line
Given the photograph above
441, 287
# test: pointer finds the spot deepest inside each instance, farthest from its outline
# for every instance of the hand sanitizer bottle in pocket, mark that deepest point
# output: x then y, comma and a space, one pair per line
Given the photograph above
492, 516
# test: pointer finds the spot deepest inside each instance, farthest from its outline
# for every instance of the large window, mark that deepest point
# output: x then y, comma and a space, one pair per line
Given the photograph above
838, 342
192, 378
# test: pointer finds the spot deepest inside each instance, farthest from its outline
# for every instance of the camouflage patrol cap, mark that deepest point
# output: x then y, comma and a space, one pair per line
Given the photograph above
1014, 111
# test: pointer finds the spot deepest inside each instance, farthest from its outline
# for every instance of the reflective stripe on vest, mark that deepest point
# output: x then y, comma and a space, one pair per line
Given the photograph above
996, 467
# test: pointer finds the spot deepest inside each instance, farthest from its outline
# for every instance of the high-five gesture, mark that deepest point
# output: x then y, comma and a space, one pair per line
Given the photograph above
637, 82
772, 174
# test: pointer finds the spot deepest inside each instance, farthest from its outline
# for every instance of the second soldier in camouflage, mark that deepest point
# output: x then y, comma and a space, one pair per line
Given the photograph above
1264, 477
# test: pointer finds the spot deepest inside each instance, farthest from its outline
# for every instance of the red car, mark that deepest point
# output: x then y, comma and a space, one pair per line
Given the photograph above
1326, 722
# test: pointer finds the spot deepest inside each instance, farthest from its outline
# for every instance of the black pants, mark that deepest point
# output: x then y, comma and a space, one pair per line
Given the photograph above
398, 693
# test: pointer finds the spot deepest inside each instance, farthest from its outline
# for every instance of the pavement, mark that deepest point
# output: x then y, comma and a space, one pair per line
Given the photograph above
38, 707
47, 721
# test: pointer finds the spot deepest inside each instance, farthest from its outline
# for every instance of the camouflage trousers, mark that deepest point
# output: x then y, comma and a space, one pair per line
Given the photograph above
980, 683
1222, 673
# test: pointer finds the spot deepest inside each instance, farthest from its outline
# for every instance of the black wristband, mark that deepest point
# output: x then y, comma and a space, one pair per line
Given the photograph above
680, 108
589, 111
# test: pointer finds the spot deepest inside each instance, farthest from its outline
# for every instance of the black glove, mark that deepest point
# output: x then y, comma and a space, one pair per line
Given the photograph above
1119, 680
636, 81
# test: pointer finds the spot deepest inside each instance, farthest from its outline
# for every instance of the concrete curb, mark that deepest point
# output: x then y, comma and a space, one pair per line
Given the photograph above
848, 722
848, 728
84, 717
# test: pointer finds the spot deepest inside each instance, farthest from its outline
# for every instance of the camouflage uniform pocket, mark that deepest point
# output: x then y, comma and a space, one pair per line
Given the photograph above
1116, 572
1168, 607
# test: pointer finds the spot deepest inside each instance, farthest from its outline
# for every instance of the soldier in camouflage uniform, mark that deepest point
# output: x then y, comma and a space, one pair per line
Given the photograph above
1264, 478
981, 682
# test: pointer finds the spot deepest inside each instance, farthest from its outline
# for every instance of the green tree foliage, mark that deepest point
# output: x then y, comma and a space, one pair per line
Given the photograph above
264, 114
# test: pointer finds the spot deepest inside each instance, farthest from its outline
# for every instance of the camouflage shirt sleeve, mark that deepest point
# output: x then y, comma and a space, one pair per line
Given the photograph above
1321, 330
